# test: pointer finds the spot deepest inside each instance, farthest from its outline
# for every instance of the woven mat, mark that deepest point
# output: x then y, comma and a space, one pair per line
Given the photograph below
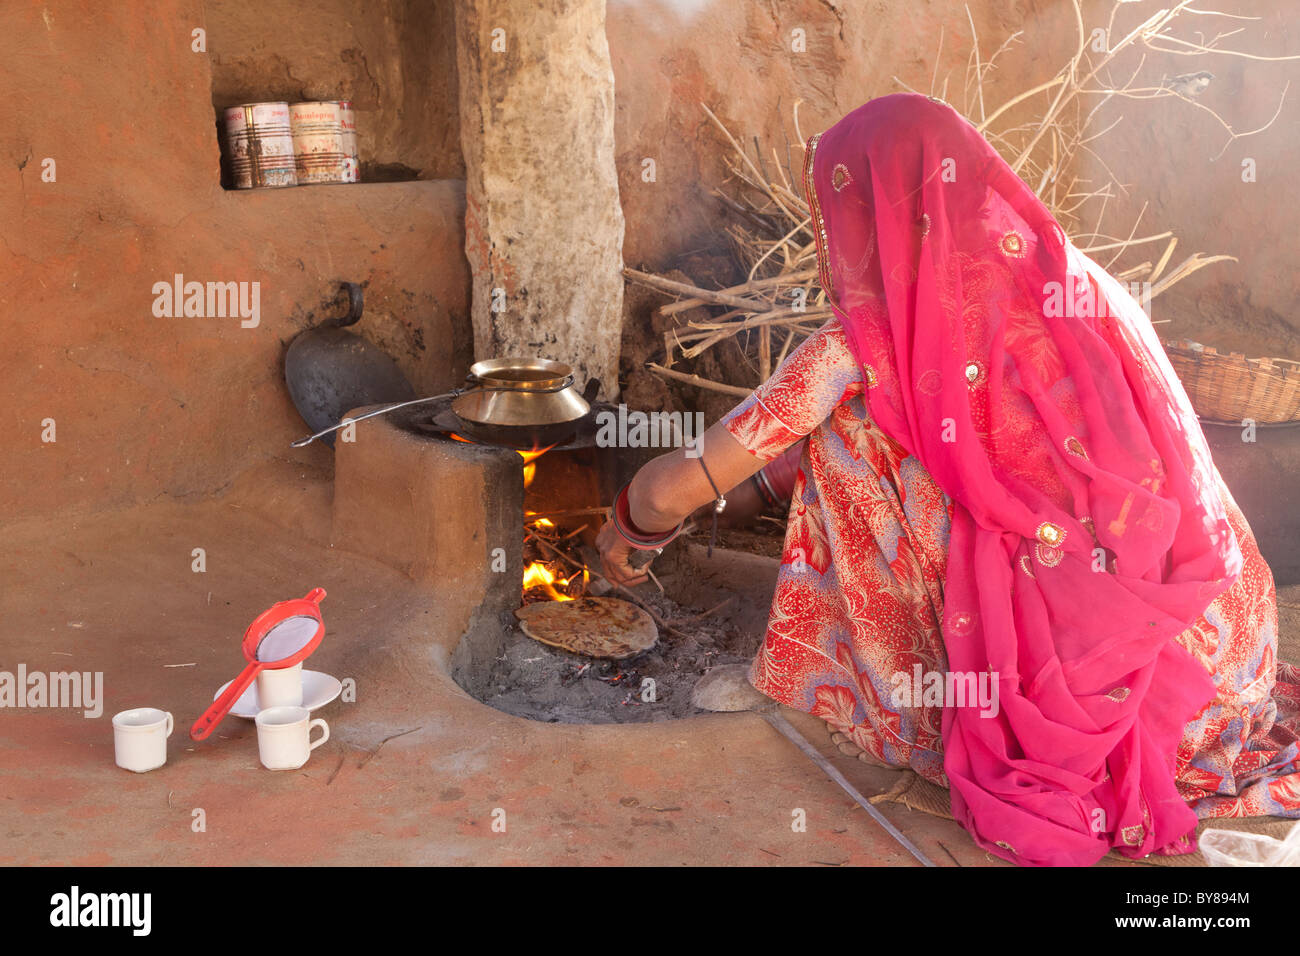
916, 793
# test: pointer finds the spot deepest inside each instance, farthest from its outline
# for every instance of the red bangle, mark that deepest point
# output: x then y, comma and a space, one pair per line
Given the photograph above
780, 473
621, 517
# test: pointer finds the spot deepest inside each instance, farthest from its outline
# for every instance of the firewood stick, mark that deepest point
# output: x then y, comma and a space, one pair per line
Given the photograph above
724, 317
780, 168
698, 382
781, 244
654, 579
682, 288
721, 334
789, 337
757, 182
568, 513
795, 201
641, 604
732, 140
741, 210
813, 315
627, 593
786, 278
703, 614
552, 549
784, 316
617, 587
674, 337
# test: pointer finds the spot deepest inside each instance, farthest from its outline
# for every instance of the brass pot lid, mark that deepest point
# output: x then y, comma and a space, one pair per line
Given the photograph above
520, 372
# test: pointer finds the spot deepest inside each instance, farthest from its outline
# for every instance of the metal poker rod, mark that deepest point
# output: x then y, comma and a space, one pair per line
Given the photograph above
799, 740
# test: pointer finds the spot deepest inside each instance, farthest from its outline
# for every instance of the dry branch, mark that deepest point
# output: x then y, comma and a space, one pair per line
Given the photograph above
682, 288
1043, 132
699, 382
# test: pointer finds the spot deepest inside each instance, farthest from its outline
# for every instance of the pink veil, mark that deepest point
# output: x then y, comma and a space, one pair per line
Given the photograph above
1087, 530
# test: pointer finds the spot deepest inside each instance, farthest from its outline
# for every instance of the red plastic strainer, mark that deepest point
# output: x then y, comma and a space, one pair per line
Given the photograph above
281, 636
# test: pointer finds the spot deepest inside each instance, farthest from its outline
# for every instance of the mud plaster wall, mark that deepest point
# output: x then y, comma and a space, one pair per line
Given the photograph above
148, 407
735, 56
1173, 155
144, 406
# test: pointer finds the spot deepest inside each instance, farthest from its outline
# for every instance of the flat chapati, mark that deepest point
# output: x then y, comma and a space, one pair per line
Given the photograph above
592, 626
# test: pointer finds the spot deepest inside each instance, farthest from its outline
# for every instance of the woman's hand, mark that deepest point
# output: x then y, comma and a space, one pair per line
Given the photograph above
614, 555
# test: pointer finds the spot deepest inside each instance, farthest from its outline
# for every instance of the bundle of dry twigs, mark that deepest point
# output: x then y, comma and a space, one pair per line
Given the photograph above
779, 299
1042, 132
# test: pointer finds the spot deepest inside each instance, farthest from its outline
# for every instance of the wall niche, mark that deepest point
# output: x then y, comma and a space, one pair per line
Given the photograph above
394, 59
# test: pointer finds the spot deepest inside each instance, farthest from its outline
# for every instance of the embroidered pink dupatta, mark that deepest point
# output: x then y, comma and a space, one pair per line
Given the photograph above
1087, 531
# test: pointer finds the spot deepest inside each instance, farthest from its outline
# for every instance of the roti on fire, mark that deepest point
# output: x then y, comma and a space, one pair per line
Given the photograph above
593, 626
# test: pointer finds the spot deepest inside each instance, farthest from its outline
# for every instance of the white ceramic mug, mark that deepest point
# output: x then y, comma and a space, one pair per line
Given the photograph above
140, 738
279, 687
284, 737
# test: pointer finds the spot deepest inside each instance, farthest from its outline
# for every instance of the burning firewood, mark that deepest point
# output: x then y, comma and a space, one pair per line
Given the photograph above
544, 575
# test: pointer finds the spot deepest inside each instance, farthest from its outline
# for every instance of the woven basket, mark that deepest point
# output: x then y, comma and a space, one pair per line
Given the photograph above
1231, 388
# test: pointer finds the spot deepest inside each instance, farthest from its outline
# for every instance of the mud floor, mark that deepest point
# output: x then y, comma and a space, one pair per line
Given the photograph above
765, 537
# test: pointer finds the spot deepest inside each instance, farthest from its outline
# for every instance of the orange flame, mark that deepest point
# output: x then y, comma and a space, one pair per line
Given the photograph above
538, 575
530, 459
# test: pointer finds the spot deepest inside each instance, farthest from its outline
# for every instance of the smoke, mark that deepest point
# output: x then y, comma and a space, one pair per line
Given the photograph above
685, 10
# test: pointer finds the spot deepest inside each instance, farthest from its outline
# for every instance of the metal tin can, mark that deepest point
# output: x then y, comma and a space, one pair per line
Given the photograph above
318, 142
259, 146
351, 159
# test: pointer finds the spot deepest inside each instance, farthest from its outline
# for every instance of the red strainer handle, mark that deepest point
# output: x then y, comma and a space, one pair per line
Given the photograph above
221, 706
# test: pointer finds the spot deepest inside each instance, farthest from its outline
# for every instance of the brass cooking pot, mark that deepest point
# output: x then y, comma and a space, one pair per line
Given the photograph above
517, 402
545, 394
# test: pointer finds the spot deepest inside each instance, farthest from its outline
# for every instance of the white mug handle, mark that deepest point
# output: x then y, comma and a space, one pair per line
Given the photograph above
171, 724
312, 745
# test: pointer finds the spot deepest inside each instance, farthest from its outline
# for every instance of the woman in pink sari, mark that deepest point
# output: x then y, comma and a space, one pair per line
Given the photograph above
1010, 563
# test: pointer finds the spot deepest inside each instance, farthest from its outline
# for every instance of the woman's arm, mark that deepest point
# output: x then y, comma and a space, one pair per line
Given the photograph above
672, 486
668, 488
814, 379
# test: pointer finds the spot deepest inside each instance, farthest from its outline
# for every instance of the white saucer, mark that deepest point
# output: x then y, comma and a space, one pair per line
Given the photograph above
317, 690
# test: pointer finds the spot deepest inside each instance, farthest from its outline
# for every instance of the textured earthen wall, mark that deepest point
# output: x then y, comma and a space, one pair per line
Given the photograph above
112, 92
146, 406
1173, 155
